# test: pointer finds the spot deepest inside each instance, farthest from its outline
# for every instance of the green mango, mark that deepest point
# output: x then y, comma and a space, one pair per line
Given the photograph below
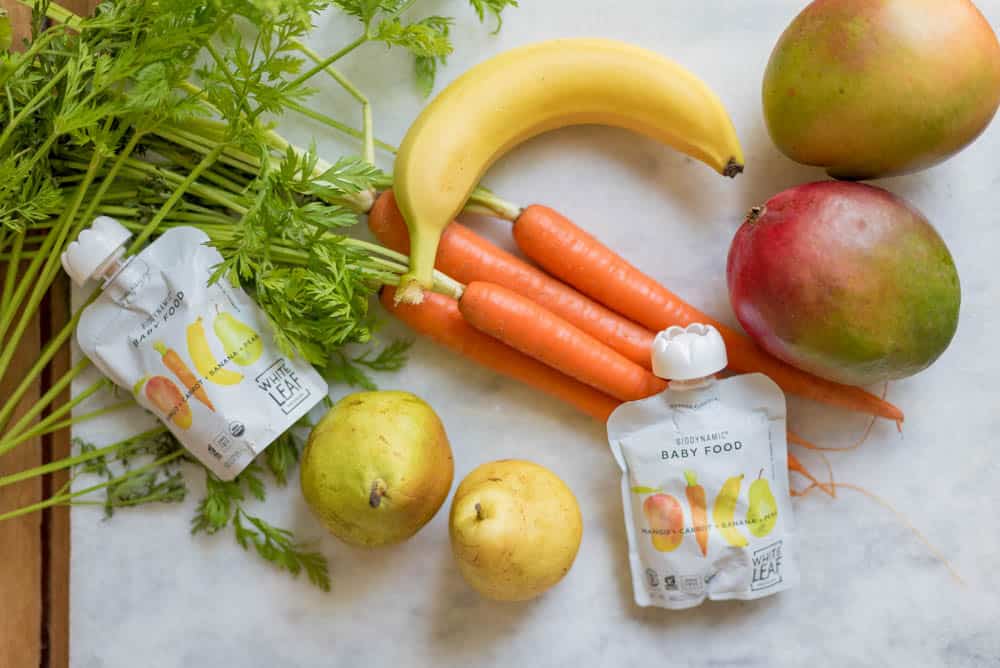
762, 514
242, 344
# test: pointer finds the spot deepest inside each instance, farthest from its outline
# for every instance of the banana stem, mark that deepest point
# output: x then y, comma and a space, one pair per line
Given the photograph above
486, 202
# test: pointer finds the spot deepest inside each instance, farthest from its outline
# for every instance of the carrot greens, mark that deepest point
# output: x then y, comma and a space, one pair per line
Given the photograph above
163, 113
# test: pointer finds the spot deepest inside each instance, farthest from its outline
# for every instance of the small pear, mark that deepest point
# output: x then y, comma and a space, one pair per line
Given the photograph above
242, 344
762, 514
515, 529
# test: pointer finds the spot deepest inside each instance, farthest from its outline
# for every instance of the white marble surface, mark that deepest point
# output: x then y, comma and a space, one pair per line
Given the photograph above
145, 593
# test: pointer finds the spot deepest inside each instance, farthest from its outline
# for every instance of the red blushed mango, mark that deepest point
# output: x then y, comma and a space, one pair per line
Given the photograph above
666, 521
846, 281
169, 400
870, 88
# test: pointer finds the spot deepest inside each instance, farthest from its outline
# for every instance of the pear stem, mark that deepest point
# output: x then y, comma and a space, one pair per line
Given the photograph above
378, 491
479, 512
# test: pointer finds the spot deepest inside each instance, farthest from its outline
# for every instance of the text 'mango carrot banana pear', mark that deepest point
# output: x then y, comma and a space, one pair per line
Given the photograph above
151, 310
697, 441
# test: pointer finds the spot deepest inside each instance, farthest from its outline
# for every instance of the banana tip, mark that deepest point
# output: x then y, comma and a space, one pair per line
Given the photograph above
732, 168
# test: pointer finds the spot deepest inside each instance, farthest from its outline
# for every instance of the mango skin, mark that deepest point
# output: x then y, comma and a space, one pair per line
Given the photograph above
871, 88
664, 513
846, 281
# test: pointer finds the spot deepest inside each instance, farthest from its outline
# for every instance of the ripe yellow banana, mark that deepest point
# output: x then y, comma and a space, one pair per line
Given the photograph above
724, 511
524, 92
204, 359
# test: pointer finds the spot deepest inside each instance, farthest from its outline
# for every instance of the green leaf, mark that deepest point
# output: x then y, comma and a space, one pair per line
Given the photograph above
391, 358
427, 37
278, 546
425, 71
343, 370
639, 489
282, 455
493, 7
217, 509
151, 486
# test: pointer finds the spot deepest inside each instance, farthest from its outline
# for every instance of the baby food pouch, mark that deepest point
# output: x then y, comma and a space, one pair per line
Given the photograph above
705, 479
201, 357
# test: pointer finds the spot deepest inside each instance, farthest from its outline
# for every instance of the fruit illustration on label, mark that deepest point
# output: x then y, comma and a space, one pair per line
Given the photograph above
763, 512
204, 360
666, 521
699, 514
169, 400
242, 344
725, 509
173, 361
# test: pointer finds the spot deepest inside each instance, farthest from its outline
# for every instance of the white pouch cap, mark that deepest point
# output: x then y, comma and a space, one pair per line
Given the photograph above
686, 353
95, 246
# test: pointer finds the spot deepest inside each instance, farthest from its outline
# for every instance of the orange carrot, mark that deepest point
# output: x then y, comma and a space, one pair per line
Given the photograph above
573, 255
173, 361
537, 332
468, 257
438, 318
699, 518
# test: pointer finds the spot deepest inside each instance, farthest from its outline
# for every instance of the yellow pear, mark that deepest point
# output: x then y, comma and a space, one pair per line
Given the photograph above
515, 529
377, 467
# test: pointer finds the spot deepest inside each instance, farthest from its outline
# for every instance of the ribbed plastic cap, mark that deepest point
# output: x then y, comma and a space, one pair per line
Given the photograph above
93, 248
686, 353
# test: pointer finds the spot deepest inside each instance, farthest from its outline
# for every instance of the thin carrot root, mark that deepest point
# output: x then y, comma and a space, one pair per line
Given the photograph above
899, 516
795, 465
854, 446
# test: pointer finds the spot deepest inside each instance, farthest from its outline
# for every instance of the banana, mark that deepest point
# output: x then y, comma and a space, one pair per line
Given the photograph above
524, 92
204, 359
724, 511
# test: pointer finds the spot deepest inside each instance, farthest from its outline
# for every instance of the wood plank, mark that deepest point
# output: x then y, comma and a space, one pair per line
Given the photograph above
57, 520
35, 549
21, 538
56, 558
